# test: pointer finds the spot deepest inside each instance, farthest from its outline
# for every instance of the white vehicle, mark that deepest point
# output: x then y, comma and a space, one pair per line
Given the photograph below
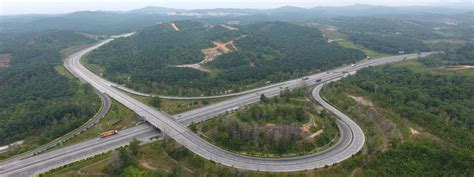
353, 65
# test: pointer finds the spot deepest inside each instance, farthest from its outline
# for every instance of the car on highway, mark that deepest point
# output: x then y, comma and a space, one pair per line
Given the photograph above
318, 80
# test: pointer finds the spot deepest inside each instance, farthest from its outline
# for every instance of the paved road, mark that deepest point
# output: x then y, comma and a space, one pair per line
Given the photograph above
49, 160
106, 103
126, 89
351, 137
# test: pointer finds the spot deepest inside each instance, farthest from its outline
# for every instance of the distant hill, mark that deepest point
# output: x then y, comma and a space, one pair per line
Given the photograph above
155, 10
110, 22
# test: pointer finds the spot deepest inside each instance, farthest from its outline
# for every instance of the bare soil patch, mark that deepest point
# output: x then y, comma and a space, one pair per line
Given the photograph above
146, 165
413, 131
230, 28
5, 60
382, 125
334, 40
458, 67
194, 66
362, 101
174, 26
212, 53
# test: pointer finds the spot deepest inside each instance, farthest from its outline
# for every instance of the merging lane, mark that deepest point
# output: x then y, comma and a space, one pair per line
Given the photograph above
351, 141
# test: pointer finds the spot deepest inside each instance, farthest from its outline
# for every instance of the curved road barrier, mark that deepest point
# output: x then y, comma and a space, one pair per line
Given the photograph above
351, 141
106, 103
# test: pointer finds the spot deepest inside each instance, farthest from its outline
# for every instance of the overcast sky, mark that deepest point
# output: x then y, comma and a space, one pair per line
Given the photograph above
8, 7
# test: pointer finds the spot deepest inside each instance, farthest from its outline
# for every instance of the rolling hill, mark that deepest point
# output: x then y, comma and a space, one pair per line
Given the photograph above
161, 59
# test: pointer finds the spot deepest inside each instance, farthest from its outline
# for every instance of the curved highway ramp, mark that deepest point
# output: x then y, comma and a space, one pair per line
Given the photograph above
351, 141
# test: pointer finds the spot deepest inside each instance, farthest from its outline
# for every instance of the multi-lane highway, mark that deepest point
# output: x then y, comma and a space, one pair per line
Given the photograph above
106, 103
352, 138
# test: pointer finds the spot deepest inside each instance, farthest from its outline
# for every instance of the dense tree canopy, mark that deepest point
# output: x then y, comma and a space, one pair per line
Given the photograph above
271, 51
272, 127
34, 97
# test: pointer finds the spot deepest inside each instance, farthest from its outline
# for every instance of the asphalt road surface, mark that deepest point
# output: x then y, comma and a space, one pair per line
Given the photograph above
106, 103
351, 141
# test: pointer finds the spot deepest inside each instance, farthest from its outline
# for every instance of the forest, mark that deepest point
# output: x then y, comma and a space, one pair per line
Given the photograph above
434, 99
35, 98
272, 127
403, 33
442, 103
267, 54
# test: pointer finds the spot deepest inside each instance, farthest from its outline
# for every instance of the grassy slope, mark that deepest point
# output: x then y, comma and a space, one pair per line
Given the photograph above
345, 42
390, 140
389, 143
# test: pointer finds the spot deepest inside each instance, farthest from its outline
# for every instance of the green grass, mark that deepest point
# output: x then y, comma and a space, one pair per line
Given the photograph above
371, 53
343, 41
96, 69
390, 149
178, 106
292, 100
162, 156
417, 66
63, 71
91, 166
119, 117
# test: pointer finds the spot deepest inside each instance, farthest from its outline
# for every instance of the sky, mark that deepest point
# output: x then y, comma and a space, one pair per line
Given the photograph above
9, 7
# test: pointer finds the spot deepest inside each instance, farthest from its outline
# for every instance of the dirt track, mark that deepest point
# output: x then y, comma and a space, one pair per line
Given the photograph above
174, 27
212, 53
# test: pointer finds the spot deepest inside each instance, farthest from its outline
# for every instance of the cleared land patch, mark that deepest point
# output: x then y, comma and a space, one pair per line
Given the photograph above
5, 60
230, 27
212, 53
174, 26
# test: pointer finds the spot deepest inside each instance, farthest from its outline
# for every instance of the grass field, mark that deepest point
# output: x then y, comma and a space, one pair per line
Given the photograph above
179, 106
371, 53
119, 117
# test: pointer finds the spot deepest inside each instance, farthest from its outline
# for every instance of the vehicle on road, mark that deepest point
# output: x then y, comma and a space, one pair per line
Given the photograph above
305, 78
353, 65
108, 133
319, 80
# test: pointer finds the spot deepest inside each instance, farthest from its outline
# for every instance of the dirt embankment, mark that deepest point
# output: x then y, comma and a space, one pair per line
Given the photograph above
362, 101
5, 60
212, 53
381, 125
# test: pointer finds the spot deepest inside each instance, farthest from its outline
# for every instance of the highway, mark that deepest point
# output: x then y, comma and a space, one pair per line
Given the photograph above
106, 103
352, 138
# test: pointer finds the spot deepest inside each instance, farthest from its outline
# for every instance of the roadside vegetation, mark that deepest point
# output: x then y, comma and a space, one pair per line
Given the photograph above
417, 115
394, 34
119, 117
173, 107
412, 113
397, 144
38, 102
166, 158
286, 125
